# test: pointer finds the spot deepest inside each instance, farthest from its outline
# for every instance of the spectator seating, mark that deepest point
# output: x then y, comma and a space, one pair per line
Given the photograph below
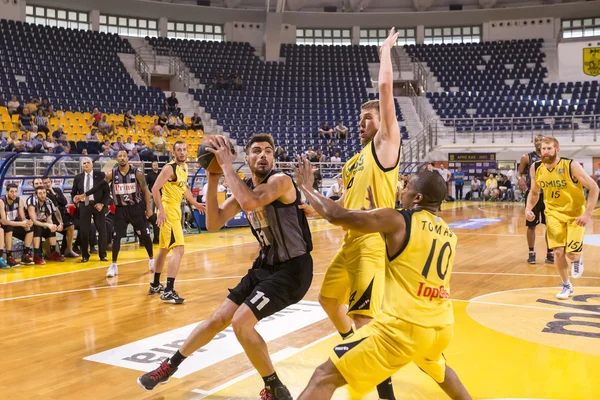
76, 70
289, 99
501, 81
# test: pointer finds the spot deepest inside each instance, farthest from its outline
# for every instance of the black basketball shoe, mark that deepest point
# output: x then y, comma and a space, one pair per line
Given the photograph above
550, 258
171, 297
276, 393
156, 290
160, 375
531, 258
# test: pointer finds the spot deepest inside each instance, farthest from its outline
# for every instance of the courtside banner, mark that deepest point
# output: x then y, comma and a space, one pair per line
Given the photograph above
146, 354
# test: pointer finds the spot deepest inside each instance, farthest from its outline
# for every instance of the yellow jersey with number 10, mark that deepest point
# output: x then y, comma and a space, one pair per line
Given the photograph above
173, 190
364, 170
417, 278
563, 194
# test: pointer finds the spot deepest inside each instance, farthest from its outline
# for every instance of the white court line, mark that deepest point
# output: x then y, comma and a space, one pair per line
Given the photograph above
277, 357
216, 278
321, 229
490, 303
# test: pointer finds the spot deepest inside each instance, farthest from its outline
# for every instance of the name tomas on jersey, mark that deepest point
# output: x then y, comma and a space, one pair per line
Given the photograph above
439, 229
432, 292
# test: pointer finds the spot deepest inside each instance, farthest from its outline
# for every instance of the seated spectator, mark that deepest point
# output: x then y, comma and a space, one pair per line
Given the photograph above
173, 104
106, 146
129, 145
105, 127
38, 143
129, 120
505, 188
59, 131
309, 152
180, 122
159, 143
172, 123
32, 106
50, 113
26, 121
118, 146
84, 152
14, 144
3, 142
285, 158
93, 136
491, 191
41, 122
140, 146
26, 142
96, 117
105, 156
163, 120
336, 190
134, 155
197, 124
336, 158
63, 142
319, 156
50, 144
13, 105
325, 131
341, 131
44, 106
278, 152
237, 83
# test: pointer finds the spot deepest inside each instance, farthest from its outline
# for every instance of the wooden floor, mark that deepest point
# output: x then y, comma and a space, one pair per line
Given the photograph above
69, 333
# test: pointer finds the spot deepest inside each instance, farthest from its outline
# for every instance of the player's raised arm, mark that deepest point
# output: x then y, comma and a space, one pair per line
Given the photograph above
383, 220
389, 131
580, 175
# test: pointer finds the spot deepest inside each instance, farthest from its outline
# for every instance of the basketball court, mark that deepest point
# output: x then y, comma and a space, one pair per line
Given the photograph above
69, 333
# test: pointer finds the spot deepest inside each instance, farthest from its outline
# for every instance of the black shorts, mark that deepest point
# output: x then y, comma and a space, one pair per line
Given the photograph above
66, 217
269, 289
17, 231
538, 210
134, 215
46, 233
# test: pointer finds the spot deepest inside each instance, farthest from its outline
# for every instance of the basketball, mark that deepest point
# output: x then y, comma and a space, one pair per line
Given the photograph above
206, 159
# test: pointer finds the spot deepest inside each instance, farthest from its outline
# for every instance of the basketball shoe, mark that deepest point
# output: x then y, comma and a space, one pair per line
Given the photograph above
171, 297
156, 289
160, 375
566, 292
276, 393
577, 268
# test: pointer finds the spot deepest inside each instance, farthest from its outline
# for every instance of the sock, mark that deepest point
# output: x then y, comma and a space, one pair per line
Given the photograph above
347, 334
170, 284
531, 250
8, 253
568, 282
176, 359
148, 245
386, 390
1, 253
28, 251
156, 279
37, 252
549, 251
272, 381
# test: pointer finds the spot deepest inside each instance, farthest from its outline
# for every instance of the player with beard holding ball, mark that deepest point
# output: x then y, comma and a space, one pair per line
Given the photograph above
567, 213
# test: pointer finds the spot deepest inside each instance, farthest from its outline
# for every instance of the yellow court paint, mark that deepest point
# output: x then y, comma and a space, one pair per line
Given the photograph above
492, 365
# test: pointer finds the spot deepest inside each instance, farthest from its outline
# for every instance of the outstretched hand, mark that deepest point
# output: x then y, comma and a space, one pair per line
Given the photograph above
370, 199
304, 173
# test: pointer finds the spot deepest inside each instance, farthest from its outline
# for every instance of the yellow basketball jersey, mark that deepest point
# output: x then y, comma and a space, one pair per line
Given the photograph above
562, 193
417, 279
172, 191
363, 170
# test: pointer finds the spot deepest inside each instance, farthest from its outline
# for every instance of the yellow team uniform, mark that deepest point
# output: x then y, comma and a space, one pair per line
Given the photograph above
171, 233
564, 201
356, 274
416, 323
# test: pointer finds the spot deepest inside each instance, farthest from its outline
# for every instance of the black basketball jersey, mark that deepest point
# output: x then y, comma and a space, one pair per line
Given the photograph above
43, 212
533, 158
281, 229
126, 190
12, 211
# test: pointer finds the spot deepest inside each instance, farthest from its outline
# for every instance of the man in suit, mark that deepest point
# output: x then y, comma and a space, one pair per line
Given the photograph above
91, 206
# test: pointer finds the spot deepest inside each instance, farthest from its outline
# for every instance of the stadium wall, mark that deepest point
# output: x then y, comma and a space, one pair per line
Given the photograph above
13, 9
570, 61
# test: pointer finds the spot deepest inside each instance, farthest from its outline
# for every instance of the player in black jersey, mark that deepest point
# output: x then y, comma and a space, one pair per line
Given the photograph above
131, 197
280, 275
15, 224
525, 184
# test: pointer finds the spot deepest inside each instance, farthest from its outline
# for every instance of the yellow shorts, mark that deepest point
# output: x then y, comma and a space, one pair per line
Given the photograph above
356, 276
171, 233
386, 345
563, 232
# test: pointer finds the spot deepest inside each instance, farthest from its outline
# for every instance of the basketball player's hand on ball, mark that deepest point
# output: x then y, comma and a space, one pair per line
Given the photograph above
222, 150
304, 173
529, 215
583, 220
370, 199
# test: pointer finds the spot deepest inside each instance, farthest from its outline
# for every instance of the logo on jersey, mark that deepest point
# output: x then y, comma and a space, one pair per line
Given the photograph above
432, 292
558, 184
259, 221
572, 324
125, 188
